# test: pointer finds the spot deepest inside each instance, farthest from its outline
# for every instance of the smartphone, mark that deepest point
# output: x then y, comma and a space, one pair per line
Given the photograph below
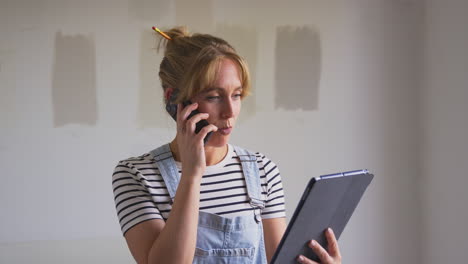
171, 108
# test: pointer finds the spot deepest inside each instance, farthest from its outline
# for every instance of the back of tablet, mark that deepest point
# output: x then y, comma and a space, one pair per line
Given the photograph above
328, 201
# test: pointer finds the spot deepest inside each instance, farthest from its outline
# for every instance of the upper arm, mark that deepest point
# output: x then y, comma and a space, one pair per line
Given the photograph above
273, 230
274, 221
140, 238
272, 186
139, 217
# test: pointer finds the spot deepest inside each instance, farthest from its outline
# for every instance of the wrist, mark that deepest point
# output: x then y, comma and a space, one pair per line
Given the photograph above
192, 176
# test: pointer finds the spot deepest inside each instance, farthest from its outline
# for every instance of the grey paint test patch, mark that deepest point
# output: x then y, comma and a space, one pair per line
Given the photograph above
74, 80
148, 10
151, 109
244, 40
196, 15
298, 68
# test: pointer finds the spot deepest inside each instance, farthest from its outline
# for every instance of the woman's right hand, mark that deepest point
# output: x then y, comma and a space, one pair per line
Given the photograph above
190, 144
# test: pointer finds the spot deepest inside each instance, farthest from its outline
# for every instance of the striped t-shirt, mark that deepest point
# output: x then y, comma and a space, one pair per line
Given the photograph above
140, 193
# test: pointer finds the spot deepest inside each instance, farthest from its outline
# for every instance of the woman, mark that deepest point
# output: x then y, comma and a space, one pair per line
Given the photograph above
229, 206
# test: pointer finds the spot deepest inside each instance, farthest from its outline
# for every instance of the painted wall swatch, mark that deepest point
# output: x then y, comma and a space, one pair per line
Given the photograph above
298, 68
74, 80
196, 15
244, 40
149, 10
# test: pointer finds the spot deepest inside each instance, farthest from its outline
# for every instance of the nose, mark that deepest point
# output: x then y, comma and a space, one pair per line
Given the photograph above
228, 109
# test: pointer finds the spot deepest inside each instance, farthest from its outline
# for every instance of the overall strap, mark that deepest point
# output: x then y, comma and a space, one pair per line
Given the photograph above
252, 178
167, 168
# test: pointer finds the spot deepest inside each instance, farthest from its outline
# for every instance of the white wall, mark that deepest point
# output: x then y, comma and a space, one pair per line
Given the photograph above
58, 149
444, 130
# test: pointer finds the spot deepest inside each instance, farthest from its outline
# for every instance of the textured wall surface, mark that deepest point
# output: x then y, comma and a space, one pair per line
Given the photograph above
380, 86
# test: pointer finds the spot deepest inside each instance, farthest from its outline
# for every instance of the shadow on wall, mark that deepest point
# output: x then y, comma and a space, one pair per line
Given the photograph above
151, 109
298, 68
244, 40
74, 80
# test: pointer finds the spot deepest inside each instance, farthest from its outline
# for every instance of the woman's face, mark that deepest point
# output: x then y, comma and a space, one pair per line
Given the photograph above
222, 102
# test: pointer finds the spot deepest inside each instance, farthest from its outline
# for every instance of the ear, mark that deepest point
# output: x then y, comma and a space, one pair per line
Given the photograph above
168, 93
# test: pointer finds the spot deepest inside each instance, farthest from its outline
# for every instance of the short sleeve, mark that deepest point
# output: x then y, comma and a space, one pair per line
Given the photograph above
273, 187
133, 202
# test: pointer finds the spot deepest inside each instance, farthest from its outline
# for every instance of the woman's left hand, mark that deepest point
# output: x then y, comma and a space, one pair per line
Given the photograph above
332, 256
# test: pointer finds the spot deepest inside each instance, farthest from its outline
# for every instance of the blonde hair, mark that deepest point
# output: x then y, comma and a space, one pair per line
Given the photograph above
191, 63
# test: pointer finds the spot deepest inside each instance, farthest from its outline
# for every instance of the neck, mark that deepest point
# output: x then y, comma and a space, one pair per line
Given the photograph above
213, 155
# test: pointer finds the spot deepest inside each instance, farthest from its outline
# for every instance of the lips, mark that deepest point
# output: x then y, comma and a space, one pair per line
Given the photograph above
225, 131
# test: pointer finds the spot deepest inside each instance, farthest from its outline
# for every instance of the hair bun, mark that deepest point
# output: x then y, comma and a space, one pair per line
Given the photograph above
178, 32
176, 35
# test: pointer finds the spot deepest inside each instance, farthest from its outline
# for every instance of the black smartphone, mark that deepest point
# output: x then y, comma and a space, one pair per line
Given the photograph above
171, 108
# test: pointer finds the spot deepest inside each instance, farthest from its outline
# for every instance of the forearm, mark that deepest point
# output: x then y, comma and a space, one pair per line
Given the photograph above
273, 230
176, 242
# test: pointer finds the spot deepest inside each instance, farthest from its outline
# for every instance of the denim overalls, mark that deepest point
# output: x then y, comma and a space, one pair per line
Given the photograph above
224, 240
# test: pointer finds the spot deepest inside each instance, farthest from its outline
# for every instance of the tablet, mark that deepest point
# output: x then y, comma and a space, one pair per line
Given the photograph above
328, 201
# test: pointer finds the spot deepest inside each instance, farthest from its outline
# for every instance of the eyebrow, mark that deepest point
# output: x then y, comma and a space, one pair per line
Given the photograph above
219, 88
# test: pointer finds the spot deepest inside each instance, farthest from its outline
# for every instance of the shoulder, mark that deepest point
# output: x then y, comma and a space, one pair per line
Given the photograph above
139, 167
263, 160
136, 162
148, 155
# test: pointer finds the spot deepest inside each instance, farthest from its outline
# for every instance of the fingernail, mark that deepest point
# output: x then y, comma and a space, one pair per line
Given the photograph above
330, 230
300, 258
313, 243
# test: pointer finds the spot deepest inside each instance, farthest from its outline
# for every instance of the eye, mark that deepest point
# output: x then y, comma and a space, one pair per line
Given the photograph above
237, 96
213, 98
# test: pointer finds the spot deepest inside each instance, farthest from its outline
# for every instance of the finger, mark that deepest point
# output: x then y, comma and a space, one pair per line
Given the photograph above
180, 123
180, 108
205, 130
333, 248
302, 259
187, 110
192, 122
321, 253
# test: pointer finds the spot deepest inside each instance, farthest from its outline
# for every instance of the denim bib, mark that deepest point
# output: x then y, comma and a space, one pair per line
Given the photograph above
219, 239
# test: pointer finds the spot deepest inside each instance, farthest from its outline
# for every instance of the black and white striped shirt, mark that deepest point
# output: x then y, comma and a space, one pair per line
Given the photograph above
140, 192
